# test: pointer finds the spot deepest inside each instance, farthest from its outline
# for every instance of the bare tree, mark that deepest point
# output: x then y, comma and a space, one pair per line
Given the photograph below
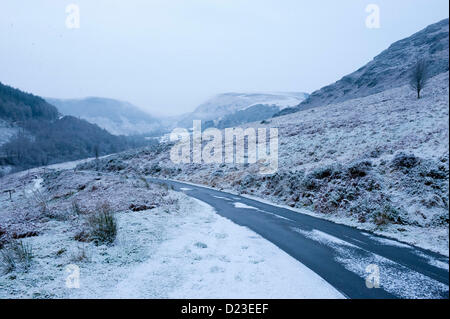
419, 76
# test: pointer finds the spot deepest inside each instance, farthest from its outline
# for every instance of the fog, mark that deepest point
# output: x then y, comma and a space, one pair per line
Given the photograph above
167, 56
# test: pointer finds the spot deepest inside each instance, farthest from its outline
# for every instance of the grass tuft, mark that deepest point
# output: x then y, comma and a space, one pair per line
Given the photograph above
16, 255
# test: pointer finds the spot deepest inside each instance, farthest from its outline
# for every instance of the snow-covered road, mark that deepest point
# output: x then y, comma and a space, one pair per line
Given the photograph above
344, 256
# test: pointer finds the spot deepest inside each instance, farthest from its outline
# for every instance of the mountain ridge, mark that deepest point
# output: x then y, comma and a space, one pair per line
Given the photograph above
389, 69
225, 105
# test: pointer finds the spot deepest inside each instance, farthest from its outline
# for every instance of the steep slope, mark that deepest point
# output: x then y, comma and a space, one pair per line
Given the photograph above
389, 69
117, 117
224, 106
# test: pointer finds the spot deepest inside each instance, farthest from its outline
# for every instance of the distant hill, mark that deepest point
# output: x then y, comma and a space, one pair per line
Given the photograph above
390, 69
117, 117
239, 108
32, 133
16, 105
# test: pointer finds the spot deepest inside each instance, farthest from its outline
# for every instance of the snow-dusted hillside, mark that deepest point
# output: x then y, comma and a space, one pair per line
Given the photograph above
117, 117
378, 163
390, 69
227, 104
167, 244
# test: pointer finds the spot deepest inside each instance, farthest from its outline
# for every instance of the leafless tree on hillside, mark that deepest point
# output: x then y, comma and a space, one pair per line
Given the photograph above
419, 76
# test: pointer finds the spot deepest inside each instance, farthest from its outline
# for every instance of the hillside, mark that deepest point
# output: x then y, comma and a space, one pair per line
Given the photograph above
32, 133
16, 105
389, 69
379, 163
117, 117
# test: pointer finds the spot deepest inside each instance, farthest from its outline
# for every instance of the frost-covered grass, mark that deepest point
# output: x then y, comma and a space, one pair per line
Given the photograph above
102, 225
16, 255
379, 163
162, 244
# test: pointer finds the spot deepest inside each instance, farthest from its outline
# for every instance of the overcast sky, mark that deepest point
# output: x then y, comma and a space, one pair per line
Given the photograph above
168, 56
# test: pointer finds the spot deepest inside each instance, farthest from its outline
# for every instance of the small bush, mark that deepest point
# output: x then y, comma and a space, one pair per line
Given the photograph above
16, 255
432, 200
375, 153
386, 214
309, 183
402, 160
248, 180
41, 200
103, 226
359, 169
440, 219
376, 209
82, 236
323, 172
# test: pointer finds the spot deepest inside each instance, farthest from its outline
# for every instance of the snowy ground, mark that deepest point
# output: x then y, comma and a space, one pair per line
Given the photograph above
208, 256
178, 248
378, 137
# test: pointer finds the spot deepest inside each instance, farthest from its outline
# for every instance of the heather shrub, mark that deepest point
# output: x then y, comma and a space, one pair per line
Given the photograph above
402, 161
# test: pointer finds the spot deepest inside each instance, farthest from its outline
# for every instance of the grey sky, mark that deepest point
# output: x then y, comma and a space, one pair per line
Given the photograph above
167, 56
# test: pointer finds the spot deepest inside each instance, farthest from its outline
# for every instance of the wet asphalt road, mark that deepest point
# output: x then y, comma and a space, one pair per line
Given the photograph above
347, 258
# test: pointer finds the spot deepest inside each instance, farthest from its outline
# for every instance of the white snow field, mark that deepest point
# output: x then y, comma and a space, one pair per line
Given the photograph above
174, 247
208, 256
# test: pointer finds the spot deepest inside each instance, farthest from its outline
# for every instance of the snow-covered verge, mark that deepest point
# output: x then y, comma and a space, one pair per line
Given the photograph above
208, 256
378, 163
167, 245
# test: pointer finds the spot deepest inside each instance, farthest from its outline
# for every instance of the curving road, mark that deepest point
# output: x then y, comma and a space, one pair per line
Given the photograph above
348, 258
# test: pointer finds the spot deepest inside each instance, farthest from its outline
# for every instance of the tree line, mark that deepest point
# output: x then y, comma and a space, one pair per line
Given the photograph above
44, 138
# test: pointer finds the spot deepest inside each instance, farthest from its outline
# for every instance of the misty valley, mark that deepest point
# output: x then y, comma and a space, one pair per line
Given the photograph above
224, 150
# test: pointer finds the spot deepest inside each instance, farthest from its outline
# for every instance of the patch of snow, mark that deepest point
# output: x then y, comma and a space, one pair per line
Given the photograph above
275, 215
323, 237
242, 205
221, 197
443, 264
386, 241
